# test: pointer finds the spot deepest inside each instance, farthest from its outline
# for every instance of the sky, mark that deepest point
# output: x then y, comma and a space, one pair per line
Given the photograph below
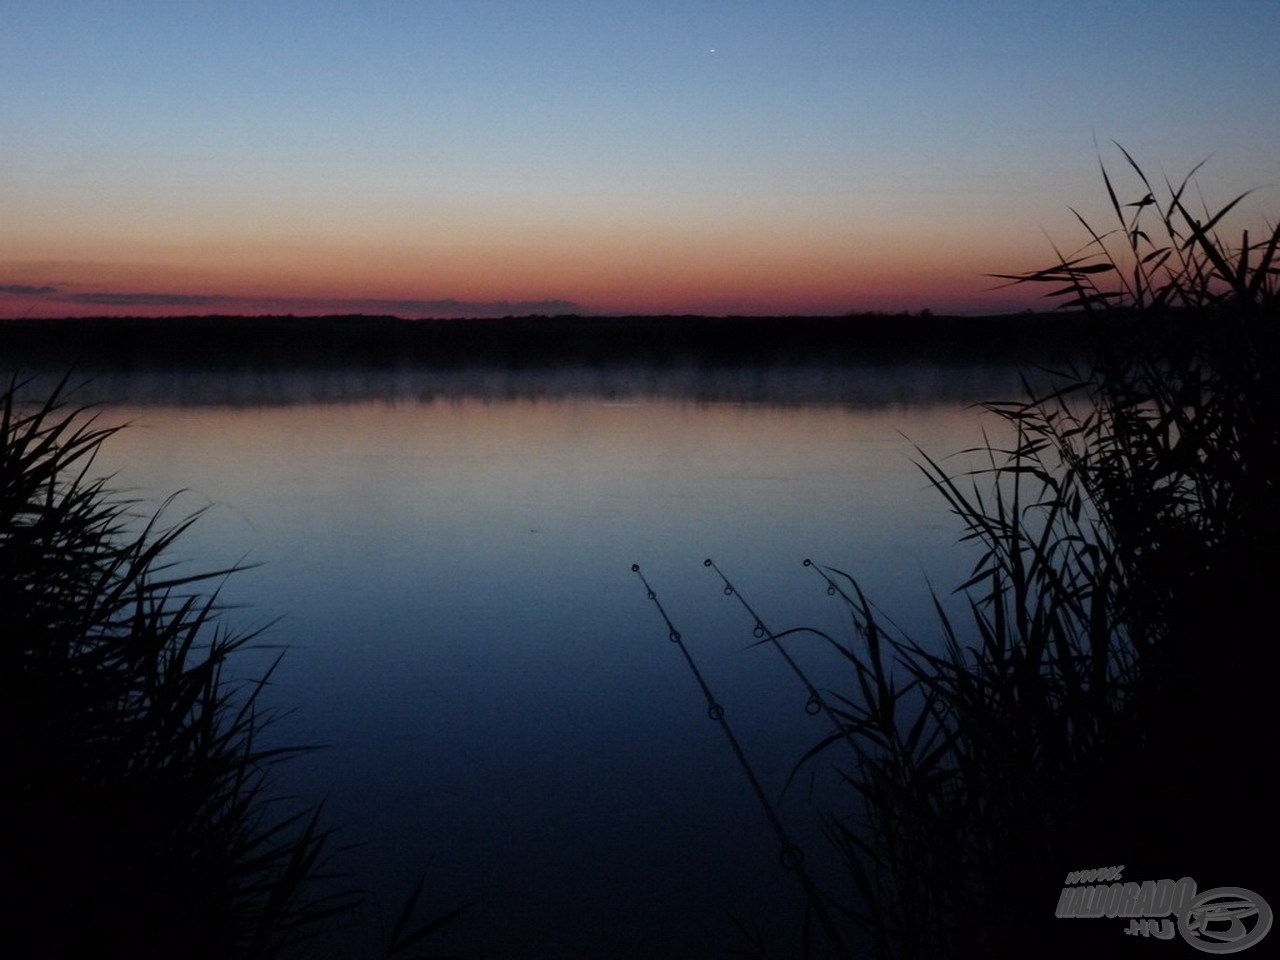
443, 158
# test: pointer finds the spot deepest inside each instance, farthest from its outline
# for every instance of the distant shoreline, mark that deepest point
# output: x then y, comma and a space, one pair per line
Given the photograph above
220, 342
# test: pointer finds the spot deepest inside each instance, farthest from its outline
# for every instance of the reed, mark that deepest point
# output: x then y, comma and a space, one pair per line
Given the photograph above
1119, 529
143, 823
1108, 631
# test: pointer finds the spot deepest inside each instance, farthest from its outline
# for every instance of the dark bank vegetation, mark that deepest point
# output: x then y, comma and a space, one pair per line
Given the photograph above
1102, 696
142, 821
526, 342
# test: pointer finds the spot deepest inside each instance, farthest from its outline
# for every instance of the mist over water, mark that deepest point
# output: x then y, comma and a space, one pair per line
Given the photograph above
450, 557
867, 385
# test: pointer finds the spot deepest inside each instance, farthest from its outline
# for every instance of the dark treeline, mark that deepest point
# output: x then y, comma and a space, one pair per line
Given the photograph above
212, 341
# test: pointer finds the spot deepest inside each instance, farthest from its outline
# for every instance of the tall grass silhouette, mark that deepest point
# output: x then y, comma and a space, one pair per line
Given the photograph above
1111, 627
142, 820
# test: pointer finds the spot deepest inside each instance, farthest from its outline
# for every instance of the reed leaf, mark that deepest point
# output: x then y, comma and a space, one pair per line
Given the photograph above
1118, 529
146, 825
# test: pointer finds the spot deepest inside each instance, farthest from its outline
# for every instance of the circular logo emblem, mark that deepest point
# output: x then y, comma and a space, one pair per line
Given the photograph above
1225, 920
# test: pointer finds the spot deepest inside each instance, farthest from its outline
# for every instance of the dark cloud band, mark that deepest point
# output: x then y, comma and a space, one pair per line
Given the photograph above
146, 299
25, 290
447, 307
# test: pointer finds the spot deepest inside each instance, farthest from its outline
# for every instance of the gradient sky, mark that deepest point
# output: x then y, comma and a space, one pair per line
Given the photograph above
440, 157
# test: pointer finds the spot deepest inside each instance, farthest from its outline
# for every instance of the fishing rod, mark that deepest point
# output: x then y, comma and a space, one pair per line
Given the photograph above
790, 855
865, 623
816, 703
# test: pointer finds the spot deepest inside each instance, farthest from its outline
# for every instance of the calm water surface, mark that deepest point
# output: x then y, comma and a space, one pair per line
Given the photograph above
451, 573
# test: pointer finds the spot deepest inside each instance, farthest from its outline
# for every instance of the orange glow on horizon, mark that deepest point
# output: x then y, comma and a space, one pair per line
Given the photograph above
633, 271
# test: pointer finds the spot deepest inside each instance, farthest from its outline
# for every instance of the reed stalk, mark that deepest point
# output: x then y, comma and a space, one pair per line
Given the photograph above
1120, 529
1110, 625
143, 822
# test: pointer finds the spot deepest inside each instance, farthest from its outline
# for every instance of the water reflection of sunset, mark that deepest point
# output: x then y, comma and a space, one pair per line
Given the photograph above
454, 584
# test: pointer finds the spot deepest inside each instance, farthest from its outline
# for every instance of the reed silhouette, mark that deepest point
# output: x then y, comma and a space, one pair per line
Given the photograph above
1101, 699
142, 819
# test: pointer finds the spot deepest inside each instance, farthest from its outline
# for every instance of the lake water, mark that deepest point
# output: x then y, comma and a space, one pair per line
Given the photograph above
447, 558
